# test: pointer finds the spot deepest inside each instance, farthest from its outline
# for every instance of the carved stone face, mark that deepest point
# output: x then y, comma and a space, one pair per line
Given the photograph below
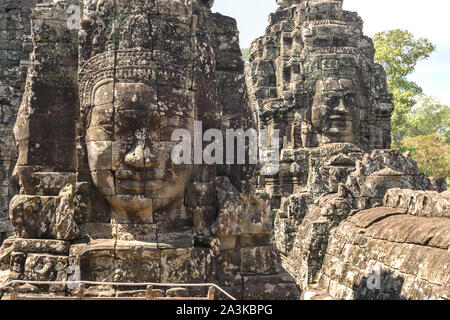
129, 148
336, 110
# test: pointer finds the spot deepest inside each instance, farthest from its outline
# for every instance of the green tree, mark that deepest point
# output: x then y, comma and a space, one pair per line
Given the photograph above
429, 116
245, 55
399, 52
432, 154
420, 124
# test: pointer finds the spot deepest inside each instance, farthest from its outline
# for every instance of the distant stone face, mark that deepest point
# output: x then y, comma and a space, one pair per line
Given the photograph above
335, 109
313, 77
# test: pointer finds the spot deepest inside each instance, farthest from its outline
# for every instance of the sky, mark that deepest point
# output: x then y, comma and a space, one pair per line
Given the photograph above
423, 18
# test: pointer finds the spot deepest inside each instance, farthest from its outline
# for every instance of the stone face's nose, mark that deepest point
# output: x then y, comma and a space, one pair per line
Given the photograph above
140, 157
341, 109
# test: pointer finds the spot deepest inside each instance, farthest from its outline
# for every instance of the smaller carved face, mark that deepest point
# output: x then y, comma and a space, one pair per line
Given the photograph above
336, 110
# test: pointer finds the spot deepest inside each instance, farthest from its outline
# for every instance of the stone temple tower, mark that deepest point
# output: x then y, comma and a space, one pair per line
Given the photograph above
99, 191
312, 76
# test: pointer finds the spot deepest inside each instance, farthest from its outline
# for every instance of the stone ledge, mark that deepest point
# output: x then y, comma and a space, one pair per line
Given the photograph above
419, 203
56, 247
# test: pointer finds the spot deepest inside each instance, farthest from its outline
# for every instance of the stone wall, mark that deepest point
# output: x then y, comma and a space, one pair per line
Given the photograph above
337, 242
386, 253
15, 47
419, 203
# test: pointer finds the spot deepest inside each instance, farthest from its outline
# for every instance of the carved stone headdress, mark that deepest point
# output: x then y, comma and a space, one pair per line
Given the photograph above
117, 40
127, 64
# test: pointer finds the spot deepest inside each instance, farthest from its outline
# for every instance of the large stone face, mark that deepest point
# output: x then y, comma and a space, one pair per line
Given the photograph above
313, 77
94, 134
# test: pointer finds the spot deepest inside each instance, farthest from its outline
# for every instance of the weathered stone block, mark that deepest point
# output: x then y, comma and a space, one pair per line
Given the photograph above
273, 287
54, 247
17, 265
45, 267
97, 231
263, 239
27, 218
37, 217
259, 260
253, 217
184, 265
227, 265
135, 232
106, 260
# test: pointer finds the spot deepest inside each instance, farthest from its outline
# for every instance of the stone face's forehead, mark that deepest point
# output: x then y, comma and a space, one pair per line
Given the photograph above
135, 111
135, 96
336, 85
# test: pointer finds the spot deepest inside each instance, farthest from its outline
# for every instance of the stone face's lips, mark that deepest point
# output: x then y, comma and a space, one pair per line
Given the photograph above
148, 175
338, 118
140, 185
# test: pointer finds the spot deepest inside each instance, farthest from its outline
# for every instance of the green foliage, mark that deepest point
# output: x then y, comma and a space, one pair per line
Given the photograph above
429, 116
432, 154
401, 117
246, 55
399, 52
420, 124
